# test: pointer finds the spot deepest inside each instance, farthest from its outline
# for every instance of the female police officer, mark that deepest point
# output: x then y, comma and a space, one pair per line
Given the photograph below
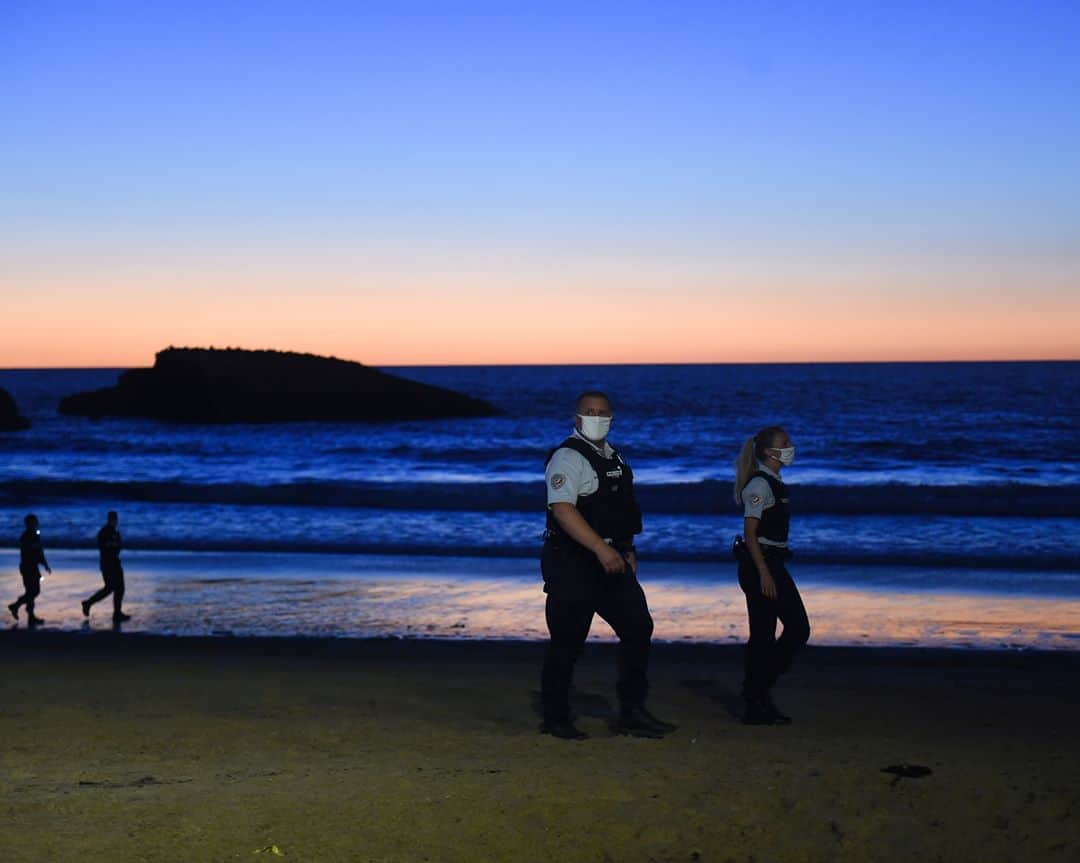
770, 591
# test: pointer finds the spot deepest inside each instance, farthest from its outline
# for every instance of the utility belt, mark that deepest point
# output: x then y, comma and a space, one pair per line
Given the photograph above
559, 539
741, 551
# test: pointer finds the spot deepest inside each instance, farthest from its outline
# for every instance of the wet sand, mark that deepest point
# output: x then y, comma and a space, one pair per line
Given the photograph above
248, 594
148, 748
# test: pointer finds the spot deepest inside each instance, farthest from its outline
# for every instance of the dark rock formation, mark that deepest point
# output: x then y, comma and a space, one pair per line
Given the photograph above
9, 414
199, 385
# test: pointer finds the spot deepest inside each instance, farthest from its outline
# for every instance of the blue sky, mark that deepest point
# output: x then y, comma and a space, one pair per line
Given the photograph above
754, 142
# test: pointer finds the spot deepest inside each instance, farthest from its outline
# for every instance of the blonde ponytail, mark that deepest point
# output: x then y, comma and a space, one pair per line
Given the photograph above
745, 465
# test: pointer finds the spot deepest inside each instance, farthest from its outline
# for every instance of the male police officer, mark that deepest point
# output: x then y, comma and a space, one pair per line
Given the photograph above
109, 543
31, 557
590, 567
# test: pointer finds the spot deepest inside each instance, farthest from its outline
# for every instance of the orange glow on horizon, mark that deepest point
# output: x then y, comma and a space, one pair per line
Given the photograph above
397, 338
95, 357
573, 313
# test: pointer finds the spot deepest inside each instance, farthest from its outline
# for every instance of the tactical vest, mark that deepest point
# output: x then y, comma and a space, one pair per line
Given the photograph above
612, 511
776, 519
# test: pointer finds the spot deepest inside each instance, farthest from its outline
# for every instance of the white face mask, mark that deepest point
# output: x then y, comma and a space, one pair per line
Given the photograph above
595, 428
786, 455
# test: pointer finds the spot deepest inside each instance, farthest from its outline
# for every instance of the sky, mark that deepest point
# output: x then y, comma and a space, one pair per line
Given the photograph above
417, 183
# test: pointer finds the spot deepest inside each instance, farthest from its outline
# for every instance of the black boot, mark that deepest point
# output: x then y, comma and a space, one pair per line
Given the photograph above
657, 722
778, 717
564, 729
756, 713
638, 722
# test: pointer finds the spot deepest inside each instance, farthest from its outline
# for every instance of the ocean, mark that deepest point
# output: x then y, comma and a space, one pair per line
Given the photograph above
915, 477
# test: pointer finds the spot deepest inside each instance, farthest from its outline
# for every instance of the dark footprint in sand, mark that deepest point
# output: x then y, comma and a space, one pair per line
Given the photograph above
906, 771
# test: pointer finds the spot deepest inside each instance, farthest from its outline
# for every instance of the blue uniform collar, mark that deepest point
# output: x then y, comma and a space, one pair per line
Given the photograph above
770, 472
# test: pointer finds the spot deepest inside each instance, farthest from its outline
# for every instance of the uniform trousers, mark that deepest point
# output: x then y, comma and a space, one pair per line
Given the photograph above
31, 589
621, 602
767, 657
114, 584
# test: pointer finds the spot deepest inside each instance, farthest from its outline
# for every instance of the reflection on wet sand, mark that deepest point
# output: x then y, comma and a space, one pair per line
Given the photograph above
351, 596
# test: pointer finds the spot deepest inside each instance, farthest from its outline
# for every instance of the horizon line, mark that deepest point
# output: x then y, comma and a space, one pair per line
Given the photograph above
1027, 360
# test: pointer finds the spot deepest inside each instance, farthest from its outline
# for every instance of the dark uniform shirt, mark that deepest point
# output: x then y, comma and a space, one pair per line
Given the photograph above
31, 553
108, 540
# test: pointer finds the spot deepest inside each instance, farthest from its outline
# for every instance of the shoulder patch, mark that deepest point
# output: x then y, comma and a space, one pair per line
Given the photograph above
755, 499
558, 480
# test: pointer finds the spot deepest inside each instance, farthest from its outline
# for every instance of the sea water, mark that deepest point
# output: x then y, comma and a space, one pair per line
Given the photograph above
914, 477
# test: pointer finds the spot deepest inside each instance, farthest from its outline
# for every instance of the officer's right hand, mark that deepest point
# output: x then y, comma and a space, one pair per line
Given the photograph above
611, 560
768, 586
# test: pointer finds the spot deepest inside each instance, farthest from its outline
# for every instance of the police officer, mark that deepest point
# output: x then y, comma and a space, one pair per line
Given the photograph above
589, 566
771, 593
109, 543
31, 557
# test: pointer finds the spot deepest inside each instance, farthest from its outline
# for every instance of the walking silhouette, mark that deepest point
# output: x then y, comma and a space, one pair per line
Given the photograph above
109, 544
31, 559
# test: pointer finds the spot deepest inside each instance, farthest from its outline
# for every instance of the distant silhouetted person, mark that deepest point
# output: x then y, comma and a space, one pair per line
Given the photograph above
31, 558
109, 543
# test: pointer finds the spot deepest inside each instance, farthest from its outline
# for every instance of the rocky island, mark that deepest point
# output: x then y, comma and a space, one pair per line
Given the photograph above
10, 420
208, 385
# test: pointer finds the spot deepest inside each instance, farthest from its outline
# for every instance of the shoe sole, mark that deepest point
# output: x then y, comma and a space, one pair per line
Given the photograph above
550, 733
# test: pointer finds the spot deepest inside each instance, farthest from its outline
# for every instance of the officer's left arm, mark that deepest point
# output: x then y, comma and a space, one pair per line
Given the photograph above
631, 558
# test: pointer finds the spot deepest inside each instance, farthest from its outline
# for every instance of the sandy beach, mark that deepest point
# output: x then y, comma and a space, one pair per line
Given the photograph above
151, 748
